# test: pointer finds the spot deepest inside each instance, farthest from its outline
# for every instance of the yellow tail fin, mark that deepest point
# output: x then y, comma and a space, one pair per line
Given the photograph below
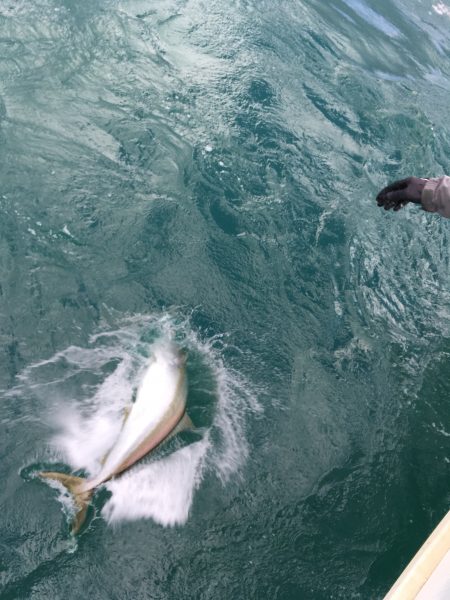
82, 498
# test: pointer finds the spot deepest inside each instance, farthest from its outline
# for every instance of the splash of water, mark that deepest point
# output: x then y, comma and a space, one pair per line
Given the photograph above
103, 378
163, 490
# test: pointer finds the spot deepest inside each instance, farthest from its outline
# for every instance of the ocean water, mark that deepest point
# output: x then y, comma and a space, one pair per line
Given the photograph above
206, 171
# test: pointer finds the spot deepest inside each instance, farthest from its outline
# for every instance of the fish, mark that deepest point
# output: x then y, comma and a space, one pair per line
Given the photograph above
157, 414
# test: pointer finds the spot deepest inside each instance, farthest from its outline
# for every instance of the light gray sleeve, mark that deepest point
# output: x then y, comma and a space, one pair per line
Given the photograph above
436, 196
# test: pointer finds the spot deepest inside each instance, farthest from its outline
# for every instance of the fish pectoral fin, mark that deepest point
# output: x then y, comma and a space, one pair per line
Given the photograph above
126, 412
81, 497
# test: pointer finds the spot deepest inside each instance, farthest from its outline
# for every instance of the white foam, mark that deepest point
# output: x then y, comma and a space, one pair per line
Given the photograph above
162, 490
84, 441
441, 9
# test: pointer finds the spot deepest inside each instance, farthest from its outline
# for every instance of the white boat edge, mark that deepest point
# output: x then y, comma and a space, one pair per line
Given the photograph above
423, 571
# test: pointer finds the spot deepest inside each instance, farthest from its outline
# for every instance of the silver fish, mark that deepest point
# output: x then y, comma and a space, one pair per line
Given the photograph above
157, 413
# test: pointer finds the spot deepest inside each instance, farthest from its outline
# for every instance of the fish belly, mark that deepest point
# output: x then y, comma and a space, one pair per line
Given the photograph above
159, 405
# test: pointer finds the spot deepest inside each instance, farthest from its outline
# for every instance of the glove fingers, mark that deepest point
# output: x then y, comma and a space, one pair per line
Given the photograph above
397, 185
393, 199
383, 196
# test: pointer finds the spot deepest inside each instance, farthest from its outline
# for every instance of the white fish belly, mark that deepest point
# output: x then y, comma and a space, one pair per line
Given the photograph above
161, 400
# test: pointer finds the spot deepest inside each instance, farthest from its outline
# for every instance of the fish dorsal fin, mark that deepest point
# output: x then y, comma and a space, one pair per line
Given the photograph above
184, 423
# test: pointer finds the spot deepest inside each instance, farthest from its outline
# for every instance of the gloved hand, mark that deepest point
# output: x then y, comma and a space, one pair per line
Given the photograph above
399, 193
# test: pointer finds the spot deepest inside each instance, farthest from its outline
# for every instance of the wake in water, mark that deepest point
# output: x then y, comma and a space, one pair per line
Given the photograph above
87, 389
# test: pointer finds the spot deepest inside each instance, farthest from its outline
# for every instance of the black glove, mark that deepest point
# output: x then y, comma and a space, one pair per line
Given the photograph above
399, 193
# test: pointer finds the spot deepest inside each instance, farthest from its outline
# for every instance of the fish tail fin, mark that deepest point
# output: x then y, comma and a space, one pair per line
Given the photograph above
81, 496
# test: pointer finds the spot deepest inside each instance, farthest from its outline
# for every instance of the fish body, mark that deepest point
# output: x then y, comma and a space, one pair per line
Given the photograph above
157, 413
159, 406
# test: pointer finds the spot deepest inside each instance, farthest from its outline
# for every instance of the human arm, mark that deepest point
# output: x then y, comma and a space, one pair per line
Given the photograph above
432, 194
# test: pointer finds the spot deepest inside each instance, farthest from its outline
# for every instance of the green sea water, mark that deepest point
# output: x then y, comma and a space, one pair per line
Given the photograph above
207, 171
